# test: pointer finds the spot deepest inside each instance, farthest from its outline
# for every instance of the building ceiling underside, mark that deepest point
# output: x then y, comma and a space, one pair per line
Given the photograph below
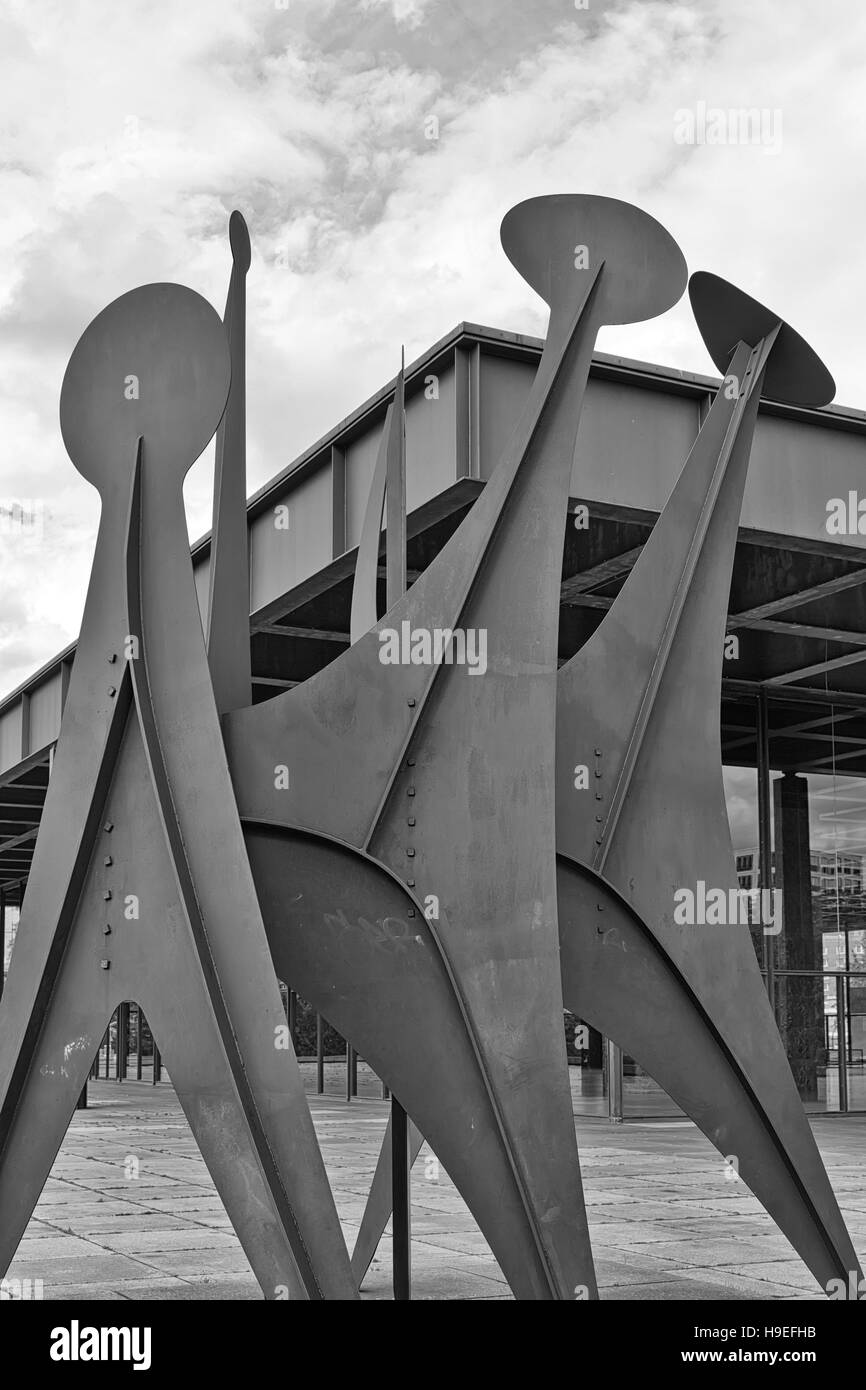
797, 610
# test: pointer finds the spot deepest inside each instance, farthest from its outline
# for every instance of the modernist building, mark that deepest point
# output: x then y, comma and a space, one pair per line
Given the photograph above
794, 691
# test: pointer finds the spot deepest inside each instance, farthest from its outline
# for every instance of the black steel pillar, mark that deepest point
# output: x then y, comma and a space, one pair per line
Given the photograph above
320, 1055
122, 1040
800, 1011
842, 1015
401, 1169
765, 854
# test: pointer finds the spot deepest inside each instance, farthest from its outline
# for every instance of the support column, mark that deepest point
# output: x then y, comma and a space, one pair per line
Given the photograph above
614, 1082
122, 1039
799, 1001
320, 1055
401, 1170
842, 1045
764, 944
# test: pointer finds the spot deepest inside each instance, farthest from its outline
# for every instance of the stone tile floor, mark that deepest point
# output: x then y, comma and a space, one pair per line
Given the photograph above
130, 1212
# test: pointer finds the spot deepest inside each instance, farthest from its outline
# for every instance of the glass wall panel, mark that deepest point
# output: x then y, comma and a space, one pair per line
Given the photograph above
818, 800
586, 1068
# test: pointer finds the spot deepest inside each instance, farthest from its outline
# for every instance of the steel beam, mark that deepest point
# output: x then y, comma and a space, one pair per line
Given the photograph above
818, 668
598, 575
853, 580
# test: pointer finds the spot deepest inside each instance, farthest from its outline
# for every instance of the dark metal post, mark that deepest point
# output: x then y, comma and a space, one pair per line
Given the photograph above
122, 1039
157, 1064
138, 1030
614, 1082
320, 1055
81, 1103
349, 1053
841, 1048
401, 1169
765, 859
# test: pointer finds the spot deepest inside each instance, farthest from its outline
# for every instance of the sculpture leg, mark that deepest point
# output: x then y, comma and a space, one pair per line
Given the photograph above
619, 980
46, 1101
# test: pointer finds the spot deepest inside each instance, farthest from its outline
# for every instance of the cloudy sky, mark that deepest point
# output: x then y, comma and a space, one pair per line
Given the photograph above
129, 132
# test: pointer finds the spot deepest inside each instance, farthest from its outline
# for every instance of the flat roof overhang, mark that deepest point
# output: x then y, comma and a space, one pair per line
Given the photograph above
798, 597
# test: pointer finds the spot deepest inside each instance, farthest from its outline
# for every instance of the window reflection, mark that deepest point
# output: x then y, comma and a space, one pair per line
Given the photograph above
815, 968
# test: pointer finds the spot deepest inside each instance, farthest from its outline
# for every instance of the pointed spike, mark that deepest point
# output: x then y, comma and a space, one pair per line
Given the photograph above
365, 613
228, 611
395, 501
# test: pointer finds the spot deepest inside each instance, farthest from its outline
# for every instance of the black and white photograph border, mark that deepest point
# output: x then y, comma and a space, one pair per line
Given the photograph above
433, 657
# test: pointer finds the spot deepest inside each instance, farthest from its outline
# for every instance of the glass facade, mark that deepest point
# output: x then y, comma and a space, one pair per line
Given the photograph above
795, 785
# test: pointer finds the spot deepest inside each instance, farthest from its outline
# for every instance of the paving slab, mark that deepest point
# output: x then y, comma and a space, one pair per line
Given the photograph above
664, 1222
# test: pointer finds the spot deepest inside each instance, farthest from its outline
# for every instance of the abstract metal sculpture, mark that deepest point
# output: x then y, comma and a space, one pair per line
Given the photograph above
406, 876
140, 887
639, 707
402, 843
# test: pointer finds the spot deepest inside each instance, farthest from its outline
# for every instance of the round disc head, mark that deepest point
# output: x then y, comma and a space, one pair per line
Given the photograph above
726, 316
557, 243
154, 363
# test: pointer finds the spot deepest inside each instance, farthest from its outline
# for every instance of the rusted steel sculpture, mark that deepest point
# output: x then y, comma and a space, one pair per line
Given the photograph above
406, 874
639, 704
638, 710
395, 835
140, 887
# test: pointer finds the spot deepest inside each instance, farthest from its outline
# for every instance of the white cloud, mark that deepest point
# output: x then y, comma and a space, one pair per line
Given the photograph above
411, 12
131, 132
